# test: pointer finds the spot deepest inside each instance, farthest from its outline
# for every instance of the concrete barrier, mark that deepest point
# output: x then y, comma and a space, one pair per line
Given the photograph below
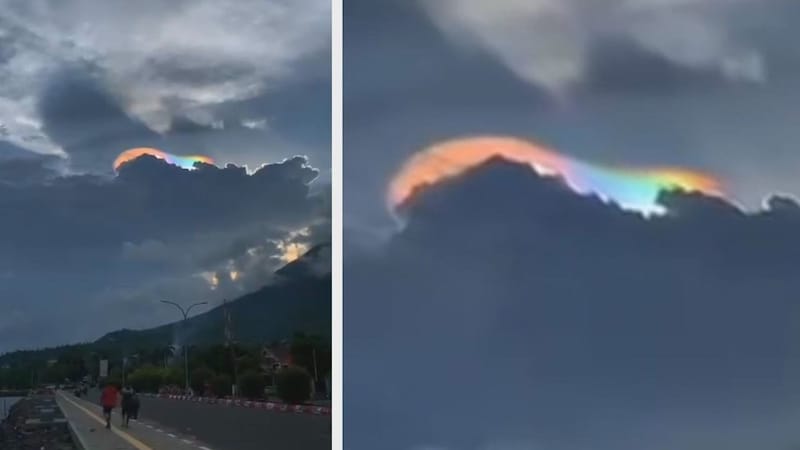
269, 406
77, 439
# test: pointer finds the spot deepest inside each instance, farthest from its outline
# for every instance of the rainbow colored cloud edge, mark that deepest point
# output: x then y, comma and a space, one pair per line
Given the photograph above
185, 162
632, 188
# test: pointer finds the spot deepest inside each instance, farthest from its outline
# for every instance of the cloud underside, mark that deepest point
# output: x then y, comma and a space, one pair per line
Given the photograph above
516, 311
77, 246
551, 42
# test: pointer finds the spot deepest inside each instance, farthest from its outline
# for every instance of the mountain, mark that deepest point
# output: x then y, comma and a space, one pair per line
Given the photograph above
298, 300
314, 263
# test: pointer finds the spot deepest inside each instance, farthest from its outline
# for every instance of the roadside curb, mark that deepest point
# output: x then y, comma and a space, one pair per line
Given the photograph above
77, 439
268, 406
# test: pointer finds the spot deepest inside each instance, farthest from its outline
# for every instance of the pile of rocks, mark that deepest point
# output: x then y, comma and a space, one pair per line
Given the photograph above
36, 423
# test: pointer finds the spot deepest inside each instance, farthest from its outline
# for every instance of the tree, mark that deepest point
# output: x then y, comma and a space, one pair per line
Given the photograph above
147, 378
115, 372
15, 379
200, 377
216, 358
174, 376
163, 355
55, 373
72, 365
252, 384
294, 384
221, 385
248, 362
312, 353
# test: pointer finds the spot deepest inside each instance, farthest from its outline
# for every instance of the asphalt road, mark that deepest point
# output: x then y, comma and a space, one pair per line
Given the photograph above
236, 428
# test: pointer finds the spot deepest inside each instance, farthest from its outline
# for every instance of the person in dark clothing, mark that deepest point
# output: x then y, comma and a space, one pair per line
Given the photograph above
130, 405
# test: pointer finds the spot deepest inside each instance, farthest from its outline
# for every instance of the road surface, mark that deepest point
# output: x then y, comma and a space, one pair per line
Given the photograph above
236, 428
89, 432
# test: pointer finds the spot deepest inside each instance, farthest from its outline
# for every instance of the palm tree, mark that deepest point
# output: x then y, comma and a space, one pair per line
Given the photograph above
165, 354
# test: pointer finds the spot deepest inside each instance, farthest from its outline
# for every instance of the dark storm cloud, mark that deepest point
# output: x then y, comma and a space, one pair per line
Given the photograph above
88, 123
616, 66
245, 82
549, 43
19, 166
395, 52
92, 127
409, 83
81, 244
10, 151
30, 170
511, 313
397, 33
151, 199
184, 125
173, 81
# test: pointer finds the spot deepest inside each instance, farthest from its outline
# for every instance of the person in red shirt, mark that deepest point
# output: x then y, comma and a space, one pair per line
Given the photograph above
109, 398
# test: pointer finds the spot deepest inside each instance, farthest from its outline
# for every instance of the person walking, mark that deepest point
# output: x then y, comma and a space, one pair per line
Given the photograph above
108, 399
130, 405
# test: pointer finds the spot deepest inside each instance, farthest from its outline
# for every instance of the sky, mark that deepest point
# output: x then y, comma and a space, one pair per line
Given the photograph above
499, 309
246, 83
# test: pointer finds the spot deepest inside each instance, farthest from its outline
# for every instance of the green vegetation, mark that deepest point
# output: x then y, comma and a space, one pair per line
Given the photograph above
299, 300
148, 378
311, 353
252, 384
294, 385
212, 370
15, 379
221, 385
270, 314
200, 378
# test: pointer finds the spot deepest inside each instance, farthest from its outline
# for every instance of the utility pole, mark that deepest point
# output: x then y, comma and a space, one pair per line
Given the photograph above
314, 355
185, 313
229, 342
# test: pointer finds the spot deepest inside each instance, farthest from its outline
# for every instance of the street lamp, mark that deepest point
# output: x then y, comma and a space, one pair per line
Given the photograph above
185, 313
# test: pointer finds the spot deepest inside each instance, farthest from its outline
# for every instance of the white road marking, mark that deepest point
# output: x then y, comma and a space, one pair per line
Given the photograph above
171, 435
204, 448
159, 430
186, 441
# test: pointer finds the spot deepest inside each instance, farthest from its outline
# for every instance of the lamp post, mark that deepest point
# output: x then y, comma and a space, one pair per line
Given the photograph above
185, 313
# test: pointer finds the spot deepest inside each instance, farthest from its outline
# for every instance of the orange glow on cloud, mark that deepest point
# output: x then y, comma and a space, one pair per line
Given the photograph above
186, 162
632, 188
292, 251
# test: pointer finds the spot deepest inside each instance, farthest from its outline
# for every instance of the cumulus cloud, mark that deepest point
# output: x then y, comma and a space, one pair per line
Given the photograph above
159, 60
19, 166
549, 42
117, 244
515, 311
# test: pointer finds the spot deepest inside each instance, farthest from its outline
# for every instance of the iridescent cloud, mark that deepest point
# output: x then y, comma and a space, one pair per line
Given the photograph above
632, 188
186, 162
